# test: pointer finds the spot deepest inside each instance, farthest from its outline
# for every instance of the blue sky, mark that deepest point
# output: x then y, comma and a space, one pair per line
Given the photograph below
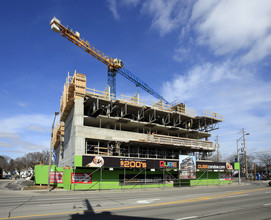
211, 55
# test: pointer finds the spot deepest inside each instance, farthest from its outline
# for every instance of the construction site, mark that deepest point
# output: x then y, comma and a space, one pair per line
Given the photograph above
109, 141
127, 127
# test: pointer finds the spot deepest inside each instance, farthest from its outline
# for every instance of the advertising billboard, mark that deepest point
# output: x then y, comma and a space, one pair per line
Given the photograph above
125, 162
220, 166
187, 167
96, 161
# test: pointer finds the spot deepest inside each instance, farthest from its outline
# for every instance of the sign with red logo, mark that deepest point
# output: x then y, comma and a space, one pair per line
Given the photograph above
81, 178
225, 176
56, 177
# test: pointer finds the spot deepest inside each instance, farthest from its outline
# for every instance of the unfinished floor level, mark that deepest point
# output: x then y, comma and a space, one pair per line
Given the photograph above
96, 123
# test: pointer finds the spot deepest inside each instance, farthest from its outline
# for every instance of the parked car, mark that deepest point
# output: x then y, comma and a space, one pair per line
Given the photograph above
8, 176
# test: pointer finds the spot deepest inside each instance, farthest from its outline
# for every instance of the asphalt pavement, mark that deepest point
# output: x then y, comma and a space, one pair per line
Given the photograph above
246, 201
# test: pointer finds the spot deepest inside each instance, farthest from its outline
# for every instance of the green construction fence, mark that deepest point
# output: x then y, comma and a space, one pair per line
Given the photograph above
102, 178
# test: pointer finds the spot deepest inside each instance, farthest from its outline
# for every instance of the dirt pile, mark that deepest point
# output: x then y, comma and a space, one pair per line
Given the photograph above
19, 184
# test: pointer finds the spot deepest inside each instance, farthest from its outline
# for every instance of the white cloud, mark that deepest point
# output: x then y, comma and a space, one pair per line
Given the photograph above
166, 15
25, 133
198, 79
181, 54
37, 128
21, 104
230, 27
130, 3
22, 122
235, 32
112, 4
259, 51
4, 144
8, 135
241, 96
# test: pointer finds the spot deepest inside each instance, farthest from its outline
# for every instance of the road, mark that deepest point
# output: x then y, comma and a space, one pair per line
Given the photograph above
213, 202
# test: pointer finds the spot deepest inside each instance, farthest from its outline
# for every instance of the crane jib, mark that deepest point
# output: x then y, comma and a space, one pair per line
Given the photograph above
114, 65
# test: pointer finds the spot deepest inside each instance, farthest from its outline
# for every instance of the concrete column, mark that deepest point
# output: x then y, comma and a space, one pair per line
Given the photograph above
78, 114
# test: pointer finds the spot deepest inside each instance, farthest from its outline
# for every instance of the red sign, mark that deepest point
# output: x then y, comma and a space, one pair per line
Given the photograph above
56, 177
226, 176
81, 178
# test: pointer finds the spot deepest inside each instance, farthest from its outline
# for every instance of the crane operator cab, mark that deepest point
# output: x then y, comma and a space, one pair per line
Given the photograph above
118, 63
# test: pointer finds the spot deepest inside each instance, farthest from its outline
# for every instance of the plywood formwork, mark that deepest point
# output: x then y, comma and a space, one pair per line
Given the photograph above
75, 87
58, 133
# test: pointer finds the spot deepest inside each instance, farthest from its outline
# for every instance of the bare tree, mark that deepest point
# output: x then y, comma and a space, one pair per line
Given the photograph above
6, 162
46, 155
215, 159
250, 162
11, 166
33, 159
265, 159
231, 158
20, 164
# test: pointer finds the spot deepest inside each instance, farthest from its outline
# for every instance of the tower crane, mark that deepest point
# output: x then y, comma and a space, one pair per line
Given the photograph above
114, 65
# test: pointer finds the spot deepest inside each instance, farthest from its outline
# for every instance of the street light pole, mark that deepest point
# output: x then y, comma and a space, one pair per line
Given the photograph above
245, 149
217, 148
245, 153
51, 149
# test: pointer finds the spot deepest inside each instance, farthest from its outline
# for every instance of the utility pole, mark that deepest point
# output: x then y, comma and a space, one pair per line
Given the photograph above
245, 149
51, 151
239, 179
217, 148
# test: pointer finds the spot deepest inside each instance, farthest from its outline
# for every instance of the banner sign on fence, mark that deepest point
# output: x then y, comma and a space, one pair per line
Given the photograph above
212, 166
81, 178
187, 167
125, 162
56, 177
135, 179
225, 176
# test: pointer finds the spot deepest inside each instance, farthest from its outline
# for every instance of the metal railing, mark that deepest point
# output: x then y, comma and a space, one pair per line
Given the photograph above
213, 115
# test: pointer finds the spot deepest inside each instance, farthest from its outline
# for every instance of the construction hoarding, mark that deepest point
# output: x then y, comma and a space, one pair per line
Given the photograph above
116, 162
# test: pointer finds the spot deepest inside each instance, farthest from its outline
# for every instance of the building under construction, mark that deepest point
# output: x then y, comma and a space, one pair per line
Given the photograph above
126, 132
123, 137
95, 123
